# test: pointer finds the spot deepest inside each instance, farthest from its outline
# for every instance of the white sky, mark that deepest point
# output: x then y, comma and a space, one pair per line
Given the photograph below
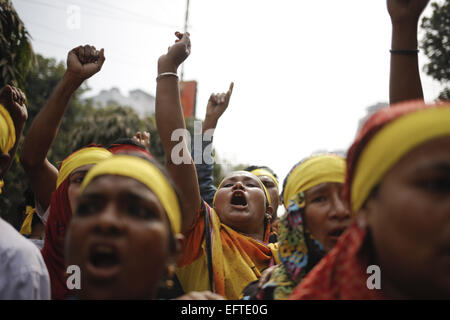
304, 71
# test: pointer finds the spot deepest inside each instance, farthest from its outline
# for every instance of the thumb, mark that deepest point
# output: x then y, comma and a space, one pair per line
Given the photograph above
101, 58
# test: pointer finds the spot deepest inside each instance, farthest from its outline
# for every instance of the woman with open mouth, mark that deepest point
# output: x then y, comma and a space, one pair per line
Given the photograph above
124, 234
315, 218
226, 245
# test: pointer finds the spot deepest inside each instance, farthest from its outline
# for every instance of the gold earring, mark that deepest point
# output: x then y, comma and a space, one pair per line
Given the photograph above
170, 273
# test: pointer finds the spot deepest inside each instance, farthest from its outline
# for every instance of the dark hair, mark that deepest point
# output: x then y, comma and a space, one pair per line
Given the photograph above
128, 141
253, 167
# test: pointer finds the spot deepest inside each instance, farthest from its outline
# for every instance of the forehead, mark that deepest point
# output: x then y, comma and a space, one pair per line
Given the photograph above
241, 176
117, 184
326, 186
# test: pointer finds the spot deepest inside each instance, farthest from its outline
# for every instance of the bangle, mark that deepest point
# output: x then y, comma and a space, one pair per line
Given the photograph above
409, 52
165, 74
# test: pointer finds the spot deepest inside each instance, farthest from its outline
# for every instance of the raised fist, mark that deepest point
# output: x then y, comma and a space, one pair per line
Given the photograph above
176, 54
13, 99
406, 10
85, 61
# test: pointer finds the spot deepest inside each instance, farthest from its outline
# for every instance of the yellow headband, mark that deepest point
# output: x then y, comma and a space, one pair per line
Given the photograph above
90, 155
391, 143
314, 171
7, 131
263, 172
26, 226
146, 173
262, 185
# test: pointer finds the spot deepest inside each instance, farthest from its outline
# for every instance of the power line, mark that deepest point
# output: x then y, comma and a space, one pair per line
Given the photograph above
116, 57
122, 10
89, 11
46, 27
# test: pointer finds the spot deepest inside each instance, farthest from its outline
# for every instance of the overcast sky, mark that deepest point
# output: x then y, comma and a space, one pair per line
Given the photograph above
304, 71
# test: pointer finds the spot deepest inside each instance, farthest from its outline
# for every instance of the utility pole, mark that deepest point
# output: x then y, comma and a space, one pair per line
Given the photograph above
185, 30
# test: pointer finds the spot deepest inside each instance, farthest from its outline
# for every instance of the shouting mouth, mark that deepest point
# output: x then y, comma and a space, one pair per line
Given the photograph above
238, 200
335, 233
103, 262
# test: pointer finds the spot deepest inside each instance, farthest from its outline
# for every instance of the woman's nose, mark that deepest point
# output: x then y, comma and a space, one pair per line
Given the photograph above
238, 185
339, 210
109, 222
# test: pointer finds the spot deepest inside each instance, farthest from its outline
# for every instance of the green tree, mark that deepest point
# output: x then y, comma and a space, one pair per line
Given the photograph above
436, 45
40, 82
16, 52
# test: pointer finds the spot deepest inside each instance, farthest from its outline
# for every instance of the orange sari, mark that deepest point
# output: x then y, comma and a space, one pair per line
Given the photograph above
237, 259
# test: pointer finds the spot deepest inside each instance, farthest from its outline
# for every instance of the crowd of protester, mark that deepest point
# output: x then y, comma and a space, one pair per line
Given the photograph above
138, 229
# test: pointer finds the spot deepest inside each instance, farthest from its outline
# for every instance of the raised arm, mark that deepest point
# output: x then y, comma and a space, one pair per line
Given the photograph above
169, 120
217, 104
404, 82
82, 63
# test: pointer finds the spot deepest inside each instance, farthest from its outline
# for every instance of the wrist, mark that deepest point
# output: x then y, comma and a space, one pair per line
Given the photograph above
71, 81
411, 22
209, 124
404, 36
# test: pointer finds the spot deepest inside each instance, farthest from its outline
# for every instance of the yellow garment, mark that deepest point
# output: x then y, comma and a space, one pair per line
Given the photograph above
7, 131
90, 155
264, 172
237, 260
146, 173
26, 226
391, 143
315, 170
262, 185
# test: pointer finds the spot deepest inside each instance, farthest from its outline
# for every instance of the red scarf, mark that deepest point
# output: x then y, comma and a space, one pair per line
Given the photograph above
118, 148
55, 231
341, 274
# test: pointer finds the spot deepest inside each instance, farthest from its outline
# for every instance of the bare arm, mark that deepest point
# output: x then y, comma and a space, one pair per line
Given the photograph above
169, 117
82, 63
404, 82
